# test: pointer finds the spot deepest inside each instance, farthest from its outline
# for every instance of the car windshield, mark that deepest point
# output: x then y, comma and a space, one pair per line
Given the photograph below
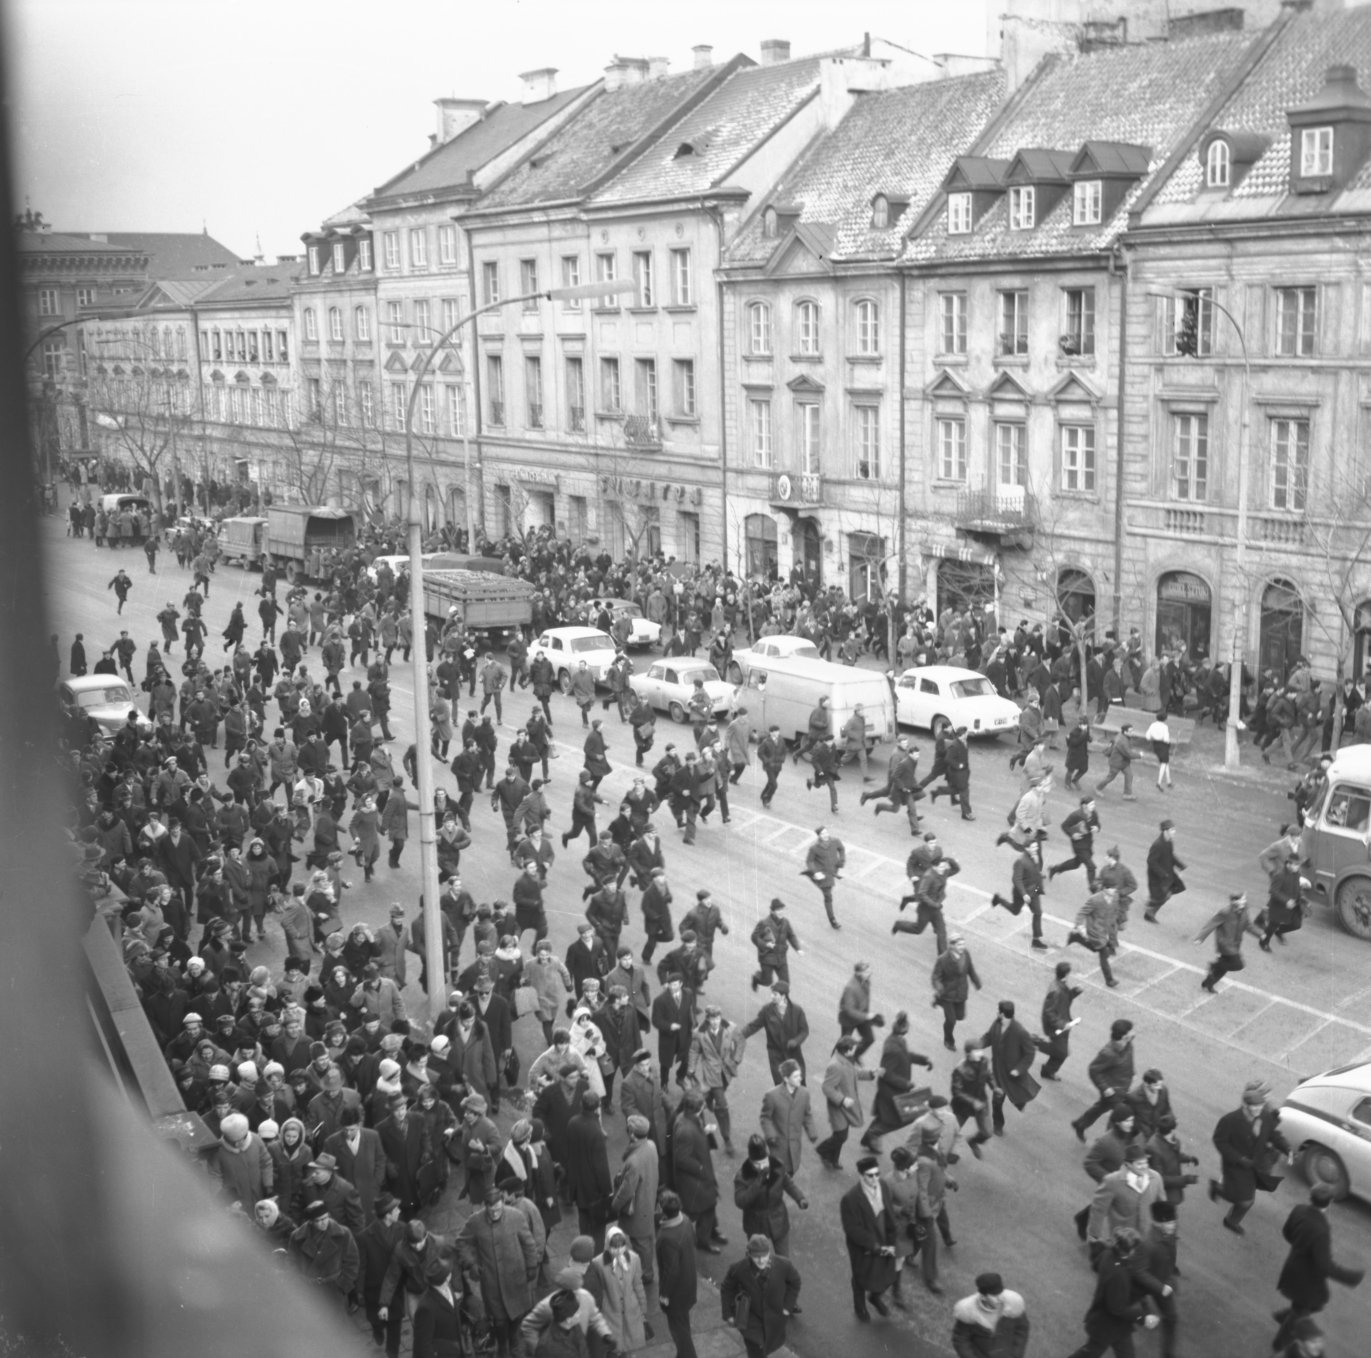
910, 681
99, 697
599, 642
806, 650
705, 672
623, 606
972, 688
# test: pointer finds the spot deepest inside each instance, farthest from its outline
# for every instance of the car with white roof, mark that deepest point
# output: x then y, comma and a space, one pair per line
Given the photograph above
642, 631
566, 647
1327, 1121
106, 697
667, 686
766, 649
940, 697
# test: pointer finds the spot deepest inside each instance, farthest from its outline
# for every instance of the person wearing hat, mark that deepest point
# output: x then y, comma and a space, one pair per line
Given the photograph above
867, 1213
498, 1245
992, 1322
758, 1295
1120, 762
376, 1246
677, 1274
773, 936
690, 1146
786, 1028
1123, 1197
1228, 927
635, 1193
325, 1252
932, 1183
656, 908
901, 784
854, 1008
1250, 1144
673, 1016
405, 1140
716, 1052
842, 1097
956, 770
786, 1113
1306, 1340
1310, 1265
1163, 871
760, 1188
241, 1165
322, 1181
360, 1157
824, 861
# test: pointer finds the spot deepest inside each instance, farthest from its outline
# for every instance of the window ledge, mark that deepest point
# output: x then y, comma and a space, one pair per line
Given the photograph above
1011, 360
682, 419
866, 358
681, 308
605, 310
951, 360
1077, 496
642, 310
759, 358
806, 358
1065, 361
609, 414
947, 483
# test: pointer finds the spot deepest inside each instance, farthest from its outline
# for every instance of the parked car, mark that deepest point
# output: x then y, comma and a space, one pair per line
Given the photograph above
934, 697
1327, 1121
770, 648
642, 631
566, 647
667, 685
105, 697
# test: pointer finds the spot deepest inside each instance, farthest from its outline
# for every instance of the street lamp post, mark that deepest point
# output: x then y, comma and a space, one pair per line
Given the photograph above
428, 856
1231, 757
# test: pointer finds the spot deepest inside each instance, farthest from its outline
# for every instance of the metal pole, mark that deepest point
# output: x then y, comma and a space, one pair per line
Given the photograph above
1231, 757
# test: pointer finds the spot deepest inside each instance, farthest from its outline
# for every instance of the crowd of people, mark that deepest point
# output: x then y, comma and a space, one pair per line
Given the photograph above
340, 1120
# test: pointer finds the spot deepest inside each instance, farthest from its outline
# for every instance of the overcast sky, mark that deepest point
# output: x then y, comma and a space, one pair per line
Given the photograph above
258, 118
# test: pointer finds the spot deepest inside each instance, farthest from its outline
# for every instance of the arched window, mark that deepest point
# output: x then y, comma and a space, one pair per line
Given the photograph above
335, 323
1282, 628
769, 223
868, 316
311, 324
880, 212
1217, 165
759, 328
361, 323
807, 327
1075, 594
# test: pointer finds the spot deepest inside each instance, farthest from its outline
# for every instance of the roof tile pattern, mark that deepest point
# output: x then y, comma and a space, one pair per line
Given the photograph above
1289, 75
898, 143
722, 129
588, 145
1143, 95
175, 254
452, 164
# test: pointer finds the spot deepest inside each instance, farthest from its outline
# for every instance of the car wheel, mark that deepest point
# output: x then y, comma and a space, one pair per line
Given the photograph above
1320, 1165
735, 672
564, 680
1353, 904
676, 712
940, 726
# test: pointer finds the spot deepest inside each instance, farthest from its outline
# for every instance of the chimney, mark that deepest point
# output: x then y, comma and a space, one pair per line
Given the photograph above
539, 85
704, 56
624, 71
657, 67
455, 116
775, 51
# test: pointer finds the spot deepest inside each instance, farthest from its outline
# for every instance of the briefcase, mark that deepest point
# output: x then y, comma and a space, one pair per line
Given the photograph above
912, 1104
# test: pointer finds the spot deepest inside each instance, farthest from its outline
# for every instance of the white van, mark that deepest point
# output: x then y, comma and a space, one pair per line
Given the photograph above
784, 690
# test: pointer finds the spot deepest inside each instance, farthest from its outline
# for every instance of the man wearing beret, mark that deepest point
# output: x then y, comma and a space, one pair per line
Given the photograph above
325, 1253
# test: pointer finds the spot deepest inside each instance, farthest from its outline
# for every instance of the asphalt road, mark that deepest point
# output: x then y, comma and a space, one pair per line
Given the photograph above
1298, 1010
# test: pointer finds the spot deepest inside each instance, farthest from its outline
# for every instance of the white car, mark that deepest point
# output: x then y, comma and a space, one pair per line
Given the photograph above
106, 697
1327, 1121
566, 647
935, 697
667, 685
770, 648
642, 631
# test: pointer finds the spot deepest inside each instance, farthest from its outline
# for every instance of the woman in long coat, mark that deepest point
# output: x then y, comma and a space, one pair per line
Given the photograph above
365, 829
290, 1157
615, 1280
588, 1042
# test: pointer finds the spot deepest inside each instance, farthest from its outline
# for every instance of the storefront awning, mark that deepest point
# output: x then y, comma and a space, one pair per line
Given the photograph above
952, 552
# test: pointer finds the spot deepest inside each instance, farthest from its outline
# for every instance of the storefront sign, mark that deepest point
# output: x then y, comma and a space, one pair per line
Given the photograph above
634, 488
1186, 589
543, 478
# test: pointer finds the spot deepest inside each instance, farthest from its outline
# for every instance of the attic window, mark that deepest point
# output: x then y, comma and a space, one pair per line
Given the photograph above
1218, 165
1087, 196
770, 223
1021, 203
697, 146
1316, 152
958, 214
880, 211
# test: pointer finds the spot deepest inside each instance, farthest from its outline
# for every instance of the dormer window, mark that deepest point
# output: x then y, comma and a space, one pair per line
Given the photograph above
1218, 165
1087, 196
313, 256
880, 211
770, 223
1316, 151
1021, 201
339, 257
958, 214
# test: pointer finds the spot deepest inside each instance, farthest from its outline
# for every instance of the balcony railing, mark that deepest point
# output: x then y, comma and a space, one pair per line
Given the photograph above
1265, 527
995, 510
792, 489
642, 431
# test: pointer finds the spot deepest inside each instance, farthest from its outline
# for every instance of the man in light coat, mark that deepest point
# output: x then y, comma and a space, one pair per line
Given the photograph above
716, 1051
635, 1194
498, 1246
1123, 1198
786, 1113
842, 1097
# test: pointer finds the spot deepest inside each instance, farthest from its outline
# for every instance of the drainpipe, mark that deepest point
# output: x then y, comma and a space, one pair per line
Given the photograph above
1120, 258
475, 495
717, 214
902, 503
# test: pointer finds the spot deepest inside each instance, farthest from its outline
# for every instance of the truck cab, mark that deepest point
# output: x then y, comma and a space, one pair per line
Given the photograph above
1335, 843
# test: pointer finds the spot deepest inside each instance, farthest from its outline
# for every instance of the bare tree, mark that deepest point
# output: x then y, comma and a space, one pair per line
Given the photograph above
144, 417
330, 436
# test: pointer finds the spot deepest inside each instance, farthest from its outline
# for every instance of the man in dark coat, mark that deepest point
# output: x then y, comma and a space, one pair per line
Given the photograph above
895, 1077
1113, 1310
758, 1294
437, 1316
1057, 1021
1011, 1055
1310, 1263
405, 1140
1163, 871
692, 1171
786, 1029
867, 1212
1249, 1143
677, 1278
587, 1169
673, 1016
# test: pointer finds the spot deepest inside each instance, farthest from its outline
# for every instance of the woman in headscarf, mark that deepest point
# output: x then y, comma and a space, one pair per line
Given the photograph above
588, 1042
615, 1280
290, 1157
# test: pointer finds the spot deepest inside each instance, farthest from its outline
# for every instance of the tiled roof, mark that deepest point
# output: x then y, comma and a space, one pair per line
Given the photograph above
739, 115
1142, 95
577, 153
59, 243
451, 165
1038, 165
899, 143
1290, 74
1115, 157
254, 283
172, 254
